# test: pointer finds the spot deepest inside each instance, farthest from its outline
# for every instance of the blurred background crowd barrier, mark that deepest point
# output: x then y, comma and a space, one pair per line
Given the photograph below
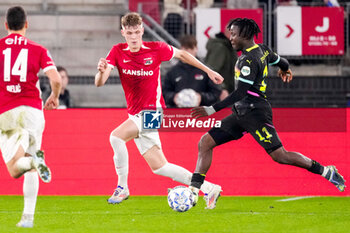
311, 34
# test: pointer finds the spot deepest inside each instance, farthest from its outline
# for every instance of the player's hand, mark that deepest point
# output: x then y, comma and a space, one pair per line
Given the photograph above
215, 77
286, 76
202, 111
102, 65
51, 103
198, 112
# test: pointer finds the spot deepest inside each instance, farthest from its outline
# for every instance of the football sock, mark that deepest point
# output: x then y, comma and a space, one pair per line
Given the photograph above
24, 164
175, 172
181, 175
197, 180
30, 192
121, 160
316, 168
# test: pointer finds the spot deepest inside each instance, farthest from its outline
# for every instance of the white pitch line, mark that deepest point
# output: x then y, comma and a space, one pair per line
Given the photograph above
296, 198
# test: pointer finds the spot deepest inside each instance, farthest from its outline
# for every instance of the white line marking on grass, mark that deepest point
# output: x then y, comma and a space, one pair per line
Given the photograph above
296, 198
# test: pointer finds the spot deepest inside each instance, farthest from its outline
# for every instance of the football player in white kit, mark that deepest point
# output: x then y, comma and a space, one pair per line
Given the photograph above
138, 63
21, 117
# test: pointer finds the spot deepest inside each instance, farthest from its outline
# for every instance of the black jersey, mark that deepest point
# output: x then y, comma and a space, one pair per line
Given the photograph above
252, 68
251, 71
253, 113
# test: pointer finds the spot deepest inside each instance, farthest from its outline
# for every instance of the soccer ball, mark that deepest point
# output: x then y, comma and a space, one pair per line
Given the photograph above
180, 199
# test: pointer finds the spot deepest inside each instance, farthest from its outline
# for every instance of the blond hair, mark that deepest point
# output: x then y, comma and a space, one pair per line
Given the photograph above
131, 19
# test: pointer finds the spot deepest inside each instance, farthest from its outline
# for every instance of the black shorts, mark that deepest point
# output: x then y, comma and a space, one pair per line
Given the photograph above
257, 122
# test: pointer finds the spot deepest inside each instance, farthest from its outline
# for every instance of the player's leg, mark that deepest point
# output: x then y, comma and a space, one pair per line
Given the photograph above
34, 122
265, 134
282, 156
205, 154
157, 161
15, 142
149, 146
19, 163
30, 193
229, 130
21, 132
18, 166
260, 126
118, 138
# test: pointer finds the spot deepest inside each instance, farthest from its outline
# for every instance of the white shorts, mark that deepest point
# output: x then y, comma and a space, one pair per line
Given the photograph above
146, 138
21, 126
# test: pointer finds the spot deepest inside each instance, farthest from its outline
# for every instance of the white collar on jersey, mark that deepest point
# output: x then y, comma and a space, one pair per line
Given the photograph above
142, 46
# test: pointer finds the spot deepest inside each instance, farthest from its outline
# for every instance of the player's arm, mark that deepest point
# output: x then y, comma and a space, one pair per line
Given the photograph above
235, 96
52, 101
189, 59
245, 81
104, 70
284, 72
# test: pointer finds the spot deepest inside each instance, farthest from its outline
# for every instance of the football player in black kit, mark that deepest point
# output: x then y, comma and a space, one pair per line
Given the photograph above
251, 111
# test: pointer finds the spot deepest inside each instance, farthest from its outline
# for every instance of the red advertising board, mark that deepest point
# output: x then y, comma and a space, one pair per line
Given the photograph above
310, 30
76, 143
214, 20
323, 31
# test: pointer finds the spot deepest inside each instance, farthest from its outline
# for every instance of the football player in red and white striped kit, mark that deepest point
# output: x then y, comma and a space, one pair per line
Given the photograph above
21, 117
138, 63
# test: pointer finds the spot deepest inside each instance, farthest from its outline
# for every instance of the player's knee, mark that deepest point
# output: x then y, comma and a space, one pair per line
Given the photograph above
161, 170
206, 143
277, 159
116, 143
14, 174
279, 156
112, 139
14, 170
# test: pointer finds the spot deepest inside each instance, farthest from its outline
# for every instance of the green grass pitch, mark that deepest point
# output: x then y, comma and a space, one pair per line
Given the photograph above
152, 214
